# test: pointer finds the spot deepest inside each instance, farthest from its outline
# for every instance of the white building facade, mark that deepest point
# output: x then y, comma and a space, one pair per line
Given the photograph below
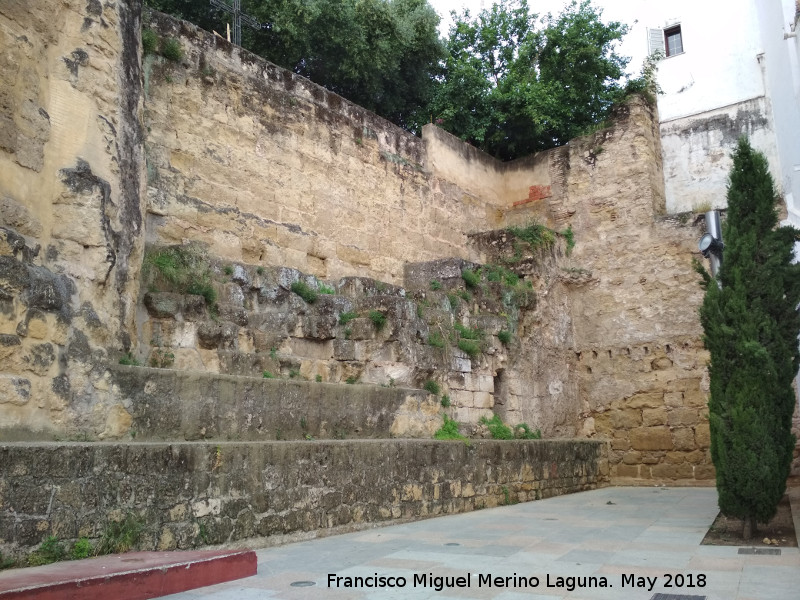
731, 69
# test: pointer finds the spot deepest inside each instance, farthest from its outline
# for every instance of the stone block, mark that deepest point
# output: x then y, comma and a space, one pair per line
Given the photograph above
14, 390
482, 400
632, 458
661, 363
461, 364
361, 329
620, 444
624, 470
682, 417
603, 423
704, 472
695, 397
352, 255
652, 458
683, 438
654, 416
696, 457
651, 438
645, 400
702, 435
461, 398
37, 327
456, 381
344, 349
673, 399
163, 305
311, 348
233, 313
626, 419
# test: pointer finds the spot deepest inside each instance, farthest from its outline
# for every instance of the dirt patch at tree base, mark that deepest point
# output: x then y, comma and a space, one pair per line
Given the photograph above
727, 531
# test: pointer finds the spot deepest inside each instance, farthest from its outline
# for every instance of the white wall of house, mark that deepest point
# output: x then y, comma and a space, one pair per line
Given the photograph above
714, 92
697, 152
777, 20
719, 65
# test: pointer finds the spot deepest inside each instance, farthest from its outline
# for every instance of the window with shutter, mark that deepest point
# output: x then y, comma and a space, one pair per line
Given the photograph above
673, 40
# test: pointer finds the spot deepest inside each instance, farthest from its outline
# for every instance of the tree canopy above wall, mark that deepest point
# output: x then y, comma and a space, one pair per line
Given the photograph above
505, 80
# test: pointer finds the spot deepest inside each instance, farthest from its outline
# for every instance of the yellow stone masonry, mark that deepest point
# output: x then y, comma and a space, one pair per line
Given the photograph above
102, 150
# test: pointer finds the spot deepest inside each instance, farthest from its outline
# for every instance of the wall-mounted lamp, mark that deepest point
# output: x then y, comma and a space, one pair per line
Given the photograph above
711, 244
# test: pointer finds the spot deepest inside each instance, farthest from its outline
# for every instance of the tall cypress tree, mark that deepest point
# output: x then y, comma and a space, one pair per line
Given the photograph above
751, 326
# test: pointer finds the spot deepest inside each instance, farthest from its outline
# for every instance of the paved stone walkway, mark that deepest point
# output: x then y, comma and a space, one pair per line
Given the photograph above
636, 541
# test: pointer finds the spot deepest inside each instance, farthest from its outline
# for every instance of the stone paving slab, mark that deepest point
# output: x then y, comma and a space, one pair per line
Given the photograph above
569, 545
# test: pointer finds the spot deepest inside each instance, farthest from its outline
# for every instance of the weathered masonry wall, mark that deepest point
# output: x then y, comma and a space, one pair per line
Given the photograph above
71, 219
167, 404
189, 494
698, 149
626, 302
639, 363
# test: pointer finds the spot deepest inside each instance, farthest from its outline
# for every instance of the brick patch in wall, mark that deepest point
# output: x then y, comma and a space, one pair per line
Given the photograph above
535, 192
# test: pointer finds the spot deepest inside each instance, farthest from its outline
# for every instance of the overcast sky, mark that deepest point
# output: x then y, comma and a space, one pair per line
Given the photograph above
626, 11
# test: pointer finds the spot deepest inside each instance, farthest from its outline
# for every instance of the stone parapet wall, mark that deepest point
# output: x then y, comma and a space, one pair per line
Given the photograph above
191, 494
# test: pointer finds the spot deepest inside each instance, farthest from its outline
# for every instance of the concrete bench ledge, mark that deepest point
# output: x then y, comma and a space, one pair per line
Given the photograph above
132, 576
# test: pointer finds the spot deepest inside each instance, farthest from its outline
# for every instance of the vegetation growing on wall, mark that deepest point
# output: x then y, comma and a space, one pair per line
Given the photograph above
751, 326
500, 431
180, 269
449, 430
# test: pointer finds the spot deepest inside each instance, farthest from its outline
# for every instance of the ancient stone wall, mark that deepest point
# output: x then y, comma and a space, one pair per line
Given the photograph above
639, 364
71, 218
194, 494
269, 172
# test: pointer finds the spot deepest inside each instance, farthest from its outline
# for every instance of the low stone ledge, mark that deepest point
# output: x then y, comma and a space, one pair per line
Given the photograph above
194, 494
168, 405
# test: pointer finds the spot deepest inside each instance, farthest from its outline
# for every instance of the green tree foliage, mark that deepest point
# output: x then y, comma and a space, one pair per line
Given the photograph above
751, 326
512, 88
382, 54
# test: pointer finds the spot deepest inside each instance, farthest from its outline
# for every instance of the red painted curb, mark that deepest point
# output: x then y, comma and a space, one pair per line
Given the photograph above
133, 576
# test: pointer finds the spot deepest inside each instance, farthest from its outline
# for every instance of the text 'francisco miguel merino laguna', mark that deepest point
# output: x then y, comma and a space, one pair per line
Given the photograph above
482, 580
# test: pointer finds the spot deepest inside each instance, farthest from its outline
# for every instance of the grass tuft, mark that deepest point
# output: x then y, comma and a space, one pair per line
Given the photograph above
378, 319
471, 278
149, 41
448, 430
471, 348
121, 536
171, 50
432, 387
346, 317
302, 289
